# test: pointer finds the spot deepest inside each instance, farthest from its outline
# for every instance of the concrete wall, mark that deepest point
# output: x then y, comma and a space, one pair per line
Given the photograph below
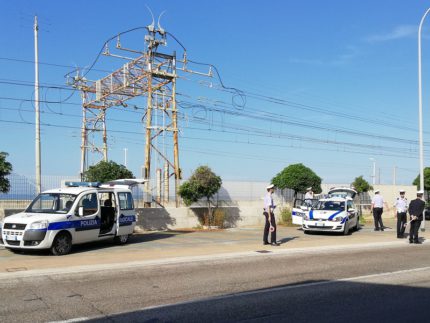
239, 214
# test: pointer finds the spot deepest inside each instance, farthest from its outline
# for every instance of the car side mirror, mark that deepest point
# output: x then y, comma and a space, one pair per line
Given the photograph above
81, 211
351, 210
304, 208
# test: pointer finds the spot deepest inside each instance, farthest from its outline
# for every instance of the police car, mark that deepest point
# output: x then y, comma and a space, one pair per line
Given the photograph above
77, 213
334, 213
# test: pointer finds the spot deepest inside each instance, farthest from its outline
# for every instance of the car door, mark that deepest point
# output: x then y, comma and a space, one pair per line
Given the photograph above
87, 218
352, 213
126, 215
298, 211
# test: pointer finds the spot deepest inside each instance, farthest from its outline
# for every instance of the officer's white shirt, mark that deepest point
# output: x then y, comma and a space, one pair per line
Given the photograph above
401, 204
378, 201
268, 202
309, 195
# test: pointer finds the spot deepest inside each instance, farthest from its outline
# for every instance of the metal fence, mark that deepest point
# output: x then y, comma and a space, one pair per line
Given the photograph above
23, 190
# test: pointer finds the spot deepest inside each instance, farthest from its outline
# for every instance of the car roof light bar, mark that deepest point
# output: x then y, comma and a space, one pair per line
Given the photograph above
82, 184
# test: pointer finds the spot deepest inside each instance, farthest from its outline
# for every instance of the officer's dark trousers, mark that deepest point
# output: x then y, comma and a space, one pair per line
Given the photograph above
413, 231
377, 217
267, 228
401, 221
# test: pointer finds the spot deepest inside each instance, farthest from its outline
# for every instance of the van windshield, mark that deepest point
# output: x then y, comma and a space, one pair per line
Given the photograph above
330, 206
52, 203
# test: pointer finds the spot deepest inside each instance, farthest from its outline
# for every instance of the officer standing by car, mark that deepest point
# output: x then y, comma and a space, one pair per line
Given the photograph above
309, 196
400, 209
416, 208
377, 208
270, 225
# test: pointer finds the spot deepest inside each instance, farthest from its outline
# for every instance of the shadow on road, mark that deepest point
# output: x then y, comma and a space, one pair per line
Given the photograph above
308, 301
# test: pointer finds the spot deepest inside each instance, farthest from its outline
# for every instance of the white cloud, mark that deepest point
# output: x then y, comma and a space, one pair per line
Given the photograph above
399, 32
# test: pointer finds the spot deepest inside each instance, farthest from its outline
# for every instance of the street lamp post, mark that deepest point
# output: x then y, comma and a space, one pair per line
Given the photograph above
420, 111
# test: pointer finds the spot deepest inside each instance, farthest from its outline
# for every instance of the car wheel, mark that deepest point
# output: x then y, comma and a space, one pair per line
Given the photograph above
62, 244
357, 226
122, 239
345, 229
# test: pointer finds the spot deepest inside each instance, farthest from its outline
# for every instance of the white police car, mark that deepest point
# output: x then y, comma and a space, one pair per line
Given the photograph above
80, 212
334, 213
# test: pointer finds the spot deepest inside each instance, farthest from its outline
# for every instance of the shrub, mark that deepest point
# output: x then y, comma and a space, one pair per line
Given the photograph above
285, 217
219, 217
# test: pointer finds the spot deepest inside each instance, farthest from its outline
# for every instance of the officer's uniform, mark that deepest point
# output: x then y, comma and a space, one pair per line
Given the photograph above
401, 205
416, 208
378, 209
269, 207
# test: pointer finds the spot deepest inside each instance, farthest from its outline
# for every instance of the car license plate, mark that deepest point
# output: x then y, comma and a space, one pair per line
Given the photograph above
14, 238
320, 224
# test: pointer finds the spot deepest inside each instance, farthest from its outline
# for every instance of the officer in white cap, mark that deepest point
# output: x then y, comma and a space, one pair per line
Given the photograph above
416, 209
309, 196
270, 225
401, 207
377, 208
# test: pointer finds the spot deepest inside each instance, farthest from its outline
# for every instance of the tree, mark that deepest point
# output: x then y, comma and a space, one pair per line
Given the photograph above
203, 183
107, 171
426, 181
5, 169
361, 186
297, 177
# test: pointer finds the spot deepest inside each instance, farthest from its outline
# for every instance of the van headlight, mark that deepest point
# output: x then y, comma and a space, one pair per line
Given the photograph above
39, 225
338, 219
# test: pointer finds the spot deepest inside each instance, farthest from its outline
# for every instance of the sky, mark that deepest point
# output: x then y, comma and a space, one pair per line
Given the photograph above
330, 84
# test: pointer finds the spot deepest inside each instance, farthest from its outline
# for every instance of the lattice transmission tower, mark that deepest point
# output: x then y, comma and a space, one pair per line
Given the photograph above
152, 74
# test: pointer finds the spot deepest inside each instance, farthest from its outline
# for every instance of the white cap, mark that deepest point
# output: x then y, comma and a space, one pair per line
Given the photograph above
309, 189
402, 191
420, 192
376, 191
270, 186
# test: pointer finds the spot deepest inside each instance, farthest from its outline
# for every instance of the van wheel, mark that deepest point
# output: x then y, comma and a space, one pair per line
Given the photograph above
122, 239
62, 244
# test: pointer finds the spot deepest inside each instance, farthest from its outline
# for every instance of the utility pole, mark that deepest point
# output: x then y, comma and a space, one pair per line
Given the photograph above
125, 157
36, 105
394, 175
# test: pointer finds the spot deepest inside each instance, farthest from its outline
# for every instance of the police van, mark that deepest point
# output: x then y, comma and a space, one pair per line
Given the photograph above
335, 212
77, 213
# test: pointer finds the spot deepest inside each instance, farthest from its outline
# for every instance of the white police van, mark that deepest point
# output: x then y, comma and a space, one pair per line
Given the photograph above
77, 213
333, 213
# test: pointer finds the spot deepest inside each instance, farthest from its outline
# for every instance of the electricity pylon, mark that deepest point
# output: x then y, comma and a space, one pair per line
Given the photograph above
152, 74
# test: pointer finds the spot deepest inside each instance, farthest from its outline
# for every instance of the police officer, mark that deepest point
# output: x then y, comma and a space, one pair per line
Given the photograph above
416, 209
309, 196
377, 208
400, 209
270, 224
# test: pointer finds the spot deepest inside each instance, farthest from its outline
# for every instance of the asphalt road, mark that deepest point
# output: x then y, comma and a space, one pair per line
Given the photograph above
389, 283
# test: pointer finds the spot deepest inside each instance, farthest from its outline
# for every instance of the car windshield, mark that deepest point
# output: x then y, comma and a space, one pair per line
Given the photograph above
330, 205
51, 203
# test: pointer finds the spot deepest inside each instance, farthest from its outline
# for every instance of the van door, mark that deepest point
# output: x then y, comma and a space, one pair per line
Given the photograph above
126, 215
87, 225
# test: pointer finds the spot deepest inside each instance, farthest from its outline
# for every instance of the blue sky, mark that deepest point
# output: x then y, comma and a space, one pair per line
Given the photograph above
328, 84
